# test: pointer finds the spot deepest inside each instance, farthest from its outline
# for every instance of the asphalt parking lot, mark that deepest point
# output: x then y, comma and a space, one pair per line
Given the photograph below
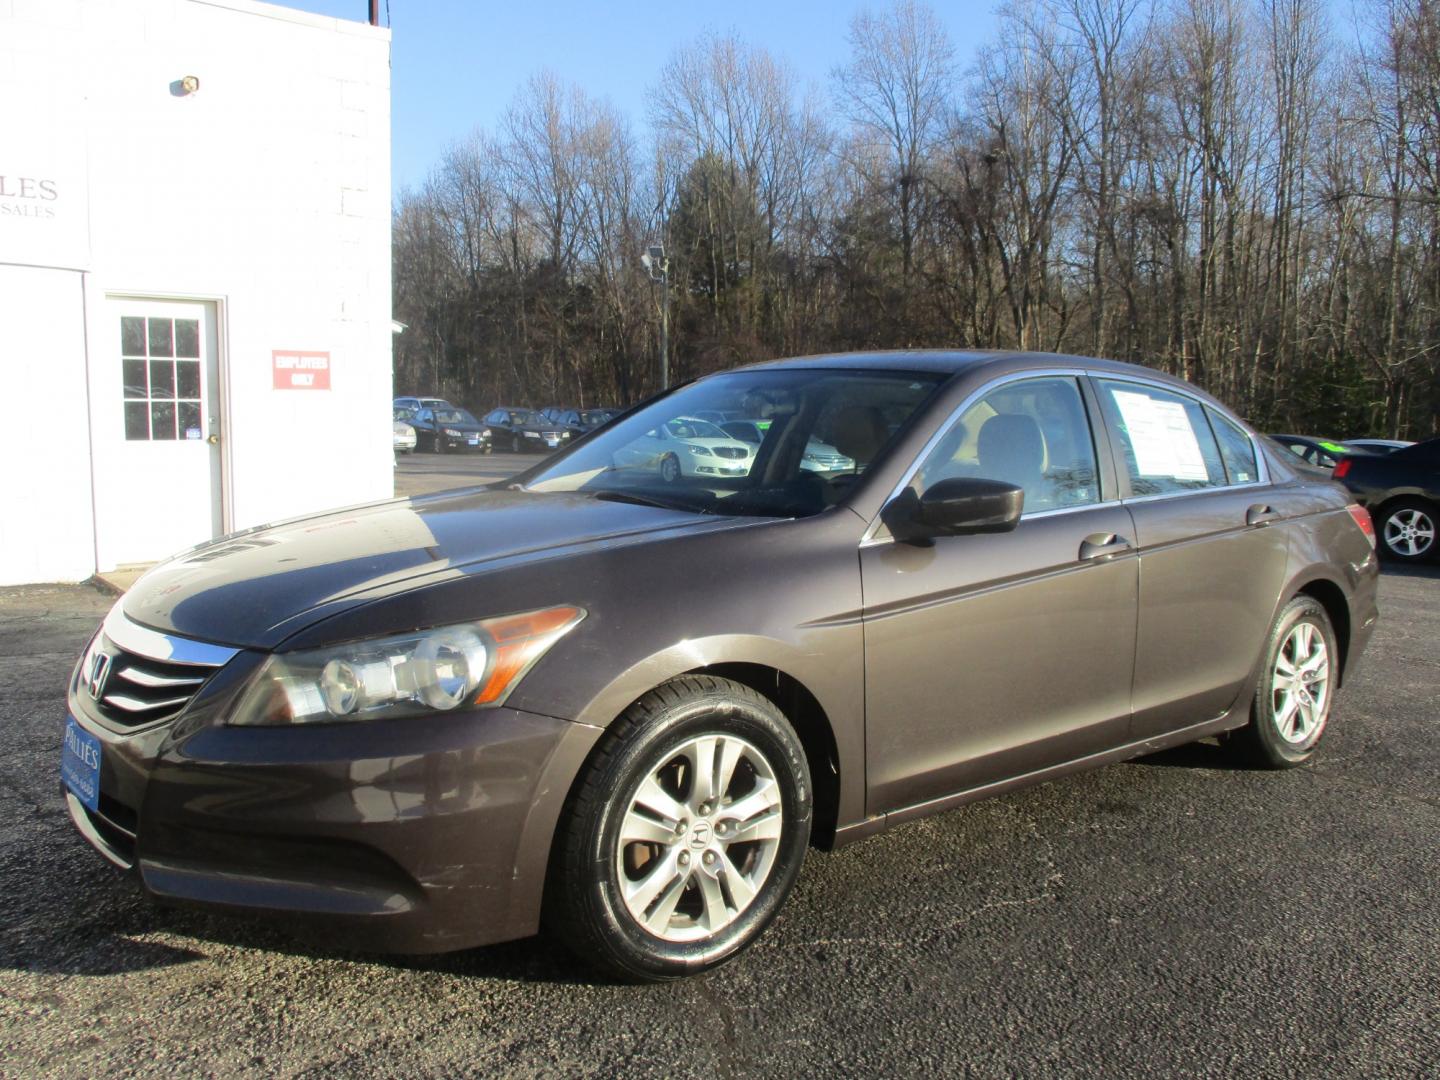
421, 474
1174, 915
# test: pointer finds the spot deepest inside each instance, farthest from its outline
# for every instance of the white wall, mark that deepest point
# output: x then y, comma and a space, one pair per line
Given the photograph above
267, 191
46, 523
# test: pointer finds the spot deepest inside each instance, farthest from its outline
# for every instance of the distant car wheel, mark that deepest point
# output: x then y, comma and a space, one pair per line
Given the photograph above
1407, 531
1297, 685
439, 445
684, 834
514, 443
669, 468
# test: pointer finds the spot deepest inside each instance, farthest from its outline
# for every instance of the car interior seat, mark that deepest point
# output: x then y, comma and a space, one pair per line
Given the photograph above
1011, 448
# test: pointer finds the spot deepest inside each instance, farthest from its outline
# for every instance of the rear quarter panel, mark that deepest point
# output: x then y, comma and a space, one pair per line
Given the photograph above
1326, 545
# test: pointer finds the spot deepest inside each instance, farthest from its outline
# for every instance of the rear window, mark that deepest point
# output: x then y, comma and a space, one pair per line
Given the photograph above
1236, 450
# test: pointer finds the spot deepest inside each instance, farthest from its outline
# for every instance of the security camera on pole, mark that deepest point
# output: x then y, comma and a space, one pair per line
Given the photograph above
658, 267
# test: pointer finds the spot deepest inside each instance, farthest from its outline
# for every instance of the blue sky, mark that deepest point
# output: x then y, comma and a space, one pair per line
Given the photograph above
457, 64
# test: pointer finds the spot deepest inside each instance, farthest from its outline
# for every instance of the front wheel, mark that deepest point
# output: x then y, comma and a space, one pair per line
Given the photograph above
685, 832
670, 468
1407, 531
1297, 684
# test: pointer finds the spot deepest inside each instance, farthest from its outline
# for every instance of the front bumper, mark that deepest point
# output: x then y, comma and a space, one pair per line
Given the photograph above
416, 835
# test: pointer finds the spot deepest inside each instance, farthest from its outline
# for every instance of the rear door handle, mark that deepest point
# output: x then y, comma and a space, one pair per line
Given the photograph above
1260, 514
1100, 545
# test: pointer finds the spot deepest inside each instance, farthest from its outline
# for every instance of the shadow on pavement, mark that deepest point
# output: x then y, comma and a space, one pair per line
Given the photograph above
1196, 755
106, 926
1411, 570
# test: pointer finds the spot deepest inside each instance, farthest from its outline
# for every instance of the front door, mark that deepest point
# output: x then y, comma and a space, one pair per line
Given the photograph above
992, 656
155, 429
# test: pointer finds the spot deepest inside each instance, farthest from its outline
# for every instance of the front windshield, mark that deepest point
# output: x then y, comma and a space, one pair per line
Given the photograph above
668, 453
520, 417
454, 416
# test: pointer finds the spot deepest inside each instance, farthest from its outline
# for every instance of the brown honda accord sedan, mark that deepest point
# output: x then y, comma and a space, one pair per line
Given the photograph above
622, 693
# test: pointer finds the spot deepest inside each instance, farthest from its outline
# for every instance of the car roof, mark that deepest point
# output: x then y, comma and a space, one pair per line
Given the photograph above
966, 361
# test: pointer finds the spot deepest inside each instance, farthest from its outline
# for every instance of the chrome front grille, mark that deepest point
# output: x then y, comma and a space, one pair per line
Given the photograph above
135, 676
729, 451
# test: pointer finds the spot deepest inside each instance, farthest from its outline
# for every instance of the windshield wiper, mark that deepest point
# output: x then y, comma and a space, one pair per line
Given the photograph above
647, 500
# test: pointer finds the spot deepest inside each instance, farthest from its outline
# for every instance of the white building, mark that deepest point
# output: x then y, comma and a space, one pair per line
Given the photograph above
195, 326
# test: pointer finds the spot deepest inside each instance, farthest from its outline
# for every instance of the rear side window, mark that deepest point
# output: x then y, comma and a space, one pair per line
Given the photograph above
1236, 449
1164, 439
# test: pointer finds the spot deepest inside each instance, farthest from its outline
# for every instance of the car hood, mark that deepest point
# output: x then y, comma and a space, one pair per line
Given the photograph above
257, 588
462, 425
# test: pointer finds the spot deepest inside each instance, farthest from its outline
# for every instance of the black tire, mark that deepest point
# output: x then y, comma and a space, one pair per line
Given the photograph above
1261, 742
1405, 531
514, 443
670, 470
584, 904
439, 444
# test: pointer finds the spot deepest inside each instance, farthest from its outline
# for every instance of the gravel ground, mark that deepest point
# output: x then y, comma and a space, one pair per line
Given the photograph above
1173, 915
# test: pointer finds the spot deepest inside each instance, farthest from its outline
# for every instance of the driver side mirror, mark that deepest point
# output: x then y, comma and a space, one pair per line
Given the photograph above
960, 506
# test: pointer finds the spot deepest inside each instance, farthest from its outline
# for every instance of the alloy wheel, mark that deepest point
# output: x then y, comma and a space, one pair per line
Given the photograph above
699, 839
1300, 683
1409, 532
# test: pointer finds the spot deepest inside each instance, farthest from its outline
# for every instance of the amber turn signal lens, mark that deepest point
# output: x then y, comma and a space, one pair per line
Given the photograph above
519, 641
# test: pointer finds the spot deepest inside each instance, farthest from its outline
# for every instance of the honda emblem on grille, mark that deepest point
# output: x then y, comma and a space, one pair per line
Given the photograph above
98, 673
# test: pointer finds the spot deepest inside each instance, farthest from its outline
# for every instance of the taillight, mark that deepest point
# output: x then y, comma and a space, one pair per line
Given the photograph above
1342, 468
1362, 518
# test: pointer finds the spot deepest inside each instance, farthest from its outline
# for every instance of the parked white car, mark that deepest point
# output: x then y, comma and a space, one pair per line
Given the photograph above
404, 434
686, 446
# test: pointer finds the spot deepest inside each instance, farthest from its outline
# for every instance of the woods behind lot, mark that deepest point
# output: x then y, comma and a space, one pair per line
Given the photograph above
1245, 193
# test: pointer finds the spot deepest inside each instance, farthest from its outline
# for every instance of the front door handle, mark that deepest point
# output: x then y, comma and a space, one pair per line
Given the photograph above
1260, 514
1100, 545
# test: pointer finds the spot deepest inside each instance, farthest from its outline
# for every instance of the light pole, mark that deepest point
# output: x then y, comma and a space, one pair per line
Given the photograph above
658, 266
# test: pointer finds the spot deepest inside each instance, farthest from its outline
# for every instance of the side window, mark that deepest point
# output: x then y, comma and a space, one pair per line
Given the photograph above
1163, 437
1033, 434
1236, 449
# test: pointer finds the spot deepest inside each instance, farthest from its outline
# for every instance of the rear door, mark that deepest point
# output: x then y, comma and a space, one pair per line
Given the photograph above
1212, 548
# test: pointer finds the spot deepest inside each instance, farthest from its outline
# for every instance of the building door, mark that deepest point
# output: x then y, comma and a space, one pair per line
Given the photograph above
155, 420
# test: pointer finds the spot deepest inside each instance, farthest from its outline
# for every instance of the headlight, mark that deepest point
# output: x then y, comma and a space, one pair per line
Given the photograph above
701, 450
565, 434
485, 434
532, 434
473, 664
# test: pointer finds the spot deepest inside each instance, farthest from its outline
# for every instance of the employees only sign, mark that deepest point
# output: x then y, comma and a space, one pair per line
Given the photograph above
297, 370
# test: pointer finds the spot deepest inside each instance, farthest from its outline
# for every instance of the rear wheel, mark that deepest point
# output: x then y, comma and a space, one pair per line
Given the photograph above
685, 833
1407, 530
1297, 685
670, 468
